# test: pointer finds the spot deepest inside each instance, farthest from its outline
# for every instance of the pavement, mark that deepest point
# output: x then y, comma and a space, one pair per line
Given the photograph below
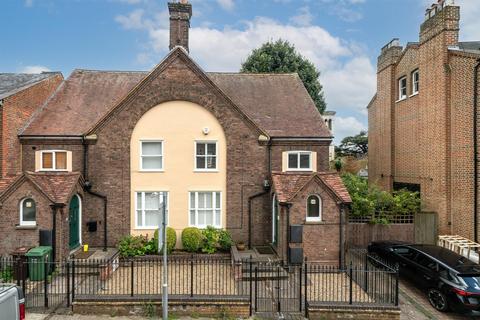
37, 316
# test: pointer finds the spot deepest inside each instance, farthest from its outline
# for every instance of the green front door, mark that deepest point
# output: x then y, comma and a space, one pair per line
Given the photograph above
74, 223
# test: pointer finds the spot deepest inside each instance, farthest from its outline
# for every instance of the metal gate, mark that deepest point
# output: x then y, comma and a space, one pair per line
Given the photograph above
426, 227
276, 289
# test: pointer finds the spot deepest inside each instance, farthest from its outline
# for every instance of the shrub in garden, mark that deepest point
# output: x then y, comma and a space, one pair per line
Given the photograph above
192, 239
224, 240
171, 240
131, 246
210, 240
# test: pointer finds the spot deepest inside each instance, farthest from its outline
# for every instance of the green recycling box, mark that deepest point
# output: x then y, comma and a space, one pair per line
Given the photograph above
36, 262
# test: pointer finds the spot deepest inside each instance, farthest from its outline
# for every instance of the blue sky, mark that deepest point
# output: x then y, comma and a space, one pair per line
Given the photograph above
341, 37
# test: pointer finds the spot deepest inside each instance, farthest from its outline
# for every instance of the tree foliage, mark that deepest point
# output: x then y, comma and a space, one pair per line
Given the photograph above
356, 145
281, 57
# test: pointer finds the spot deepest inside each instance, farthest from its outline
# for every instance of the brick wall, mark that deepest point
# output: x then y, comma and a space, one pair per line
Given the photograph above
16, 111
321, 148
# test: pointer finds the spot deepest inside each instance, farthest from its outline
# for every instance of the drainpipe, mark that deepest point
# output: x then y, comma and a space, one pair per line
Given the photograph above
54, 207
87, 186
475, 151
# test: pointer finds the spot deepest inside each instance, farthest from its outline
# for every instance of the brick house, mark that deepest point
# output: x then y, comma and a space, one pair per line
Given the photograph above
423, 119
110, 148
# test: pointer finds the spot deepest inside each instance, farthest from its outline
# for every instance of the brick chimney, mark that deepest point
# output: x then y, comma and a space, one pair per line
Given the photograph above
441, 17
180, 14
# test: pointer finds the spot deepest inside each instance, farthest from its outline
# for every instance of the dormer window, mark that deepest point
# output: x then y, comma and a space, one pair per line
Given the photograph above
402, 88
299, 161
53, 161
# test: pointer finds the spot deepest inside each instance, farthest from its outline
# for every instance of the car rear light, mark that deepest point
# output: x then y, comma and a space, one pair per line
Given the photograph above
464, 293
21, 309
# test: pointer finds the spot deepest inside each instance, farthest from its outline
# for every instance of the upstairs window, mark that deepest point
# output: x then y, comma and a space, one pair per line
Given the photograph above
54, 160
402, 88
206, 156
415, 81
314, 208
300, 160
28, 212
151, 155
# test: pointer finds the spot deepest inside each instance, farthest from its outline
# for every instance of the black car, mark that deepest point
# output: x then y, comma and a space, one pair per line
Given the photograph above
451, 281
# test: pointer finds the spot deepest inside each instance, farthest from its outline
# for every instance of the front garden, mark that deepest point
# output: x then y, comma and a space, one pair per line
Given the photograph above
194, 240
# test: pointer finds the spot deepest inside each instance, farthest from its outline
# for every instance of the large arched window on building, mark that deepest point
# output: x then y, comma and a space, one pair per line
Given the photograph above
28, 212
314, 208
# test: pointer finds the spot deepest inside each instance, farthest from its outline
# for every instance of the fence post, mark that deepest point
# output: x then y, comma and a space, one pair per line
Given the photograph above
351, 283
305, 284
68, 283
366, 272
191, 275
131, 278
396, 284
73, 280
45, 282
251, 281
300, 289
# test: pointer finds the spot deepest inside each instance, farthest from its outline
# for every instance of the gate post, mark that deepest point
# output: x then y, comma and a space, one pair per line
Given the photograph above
351, 283
300, 288
73, 280
251, 281
45, 282
191, 275
305, 284
396, 284
131, 278
68, 283
278, 289
256, 288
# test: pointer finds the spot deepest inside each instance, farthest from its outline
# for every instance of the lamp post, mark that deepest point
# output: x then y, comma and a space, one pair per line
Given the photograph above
162, 243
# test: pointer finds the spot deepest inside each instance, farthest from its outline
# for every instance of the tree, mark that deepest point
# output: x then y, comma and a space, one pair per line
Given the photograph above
356, 146
281, 57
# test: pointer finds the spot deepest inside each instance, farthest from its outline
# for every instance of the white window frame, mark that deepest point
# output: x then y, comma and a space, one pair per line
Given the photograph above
400, 95
414, 82
54, 160
143, 226
314, 219
27, 223
195, 156
162, 169
216, 224
298, 153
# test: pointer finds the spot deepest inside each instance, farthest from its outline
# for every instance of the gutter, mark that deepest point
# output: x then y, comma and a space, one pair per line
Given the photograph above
475, 151
50, 137
87, 186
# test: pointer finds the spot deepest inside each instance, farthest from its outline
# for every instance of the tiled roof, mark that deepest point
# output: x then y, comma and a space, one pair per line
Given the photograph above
7, 181
278, 103
287, 184
11, 83
57, 186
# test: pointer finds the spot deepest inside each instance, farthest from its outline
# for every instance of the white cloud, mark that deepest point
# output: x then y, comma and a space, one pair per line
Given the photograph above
303, 18
226, 4
34, 69
344, 127
469, 22
134, 20
28, 3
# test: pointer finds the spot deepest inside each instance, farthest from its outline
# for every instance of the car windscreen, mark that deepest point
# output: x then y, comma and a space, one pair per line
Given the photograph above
472, 280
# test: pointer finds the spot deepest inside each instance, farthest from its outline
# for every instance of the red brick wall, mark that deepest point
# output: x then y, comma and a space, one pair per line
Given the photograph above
16, 111
320, 148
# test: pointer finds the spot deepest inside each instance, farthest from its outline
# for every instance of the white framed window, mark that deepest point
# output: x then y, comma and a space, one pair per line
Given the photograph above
205, 209
28, 212
53, 160
299, 160
314, 208
151, 155
149, 209
206, 158
402, 88
415, 81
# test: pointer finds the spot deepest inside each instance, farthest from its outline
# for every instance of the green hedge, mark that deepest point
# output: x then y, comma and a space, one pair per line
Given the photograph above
192, 239
171, 240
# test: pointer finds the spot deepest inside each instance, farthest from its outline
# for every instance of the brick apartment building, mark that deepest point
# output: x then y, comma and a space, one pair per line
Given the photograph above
108, 149
423, 120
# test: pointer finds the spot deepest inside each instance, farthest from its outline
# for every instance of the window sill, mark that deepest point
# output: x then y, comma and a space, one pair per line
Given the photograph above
402, 99
413, 94
53, 170
206, 170
153, 170
26, 227
147, 228
313, 222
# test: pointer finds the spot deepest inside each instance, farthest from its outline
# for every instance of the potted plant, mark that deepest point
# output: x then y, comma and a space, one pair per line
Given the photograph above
241, 246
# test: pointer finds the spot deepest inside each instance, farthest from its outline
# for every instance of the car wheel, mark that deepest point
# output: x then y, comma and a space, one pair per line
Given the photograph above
438, 300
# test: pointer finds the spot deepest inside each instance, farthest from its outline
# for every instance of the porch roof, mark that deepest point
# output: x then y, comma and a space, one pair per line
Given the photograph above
288, 184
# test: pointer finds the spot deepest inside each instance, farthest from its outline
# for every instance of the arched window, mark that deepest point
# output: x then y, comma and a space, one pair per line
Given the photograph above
314, 208
28, 212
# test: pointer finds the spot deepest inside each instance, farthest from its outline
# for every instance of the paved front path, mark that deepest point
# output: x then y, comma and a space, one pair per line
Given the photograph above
415, 306
93, 317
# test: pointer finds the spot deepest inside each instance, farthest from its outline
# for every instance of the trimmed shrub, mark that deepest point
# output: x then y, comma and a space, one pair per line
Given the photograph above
192, 239
171, 240
210, 240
